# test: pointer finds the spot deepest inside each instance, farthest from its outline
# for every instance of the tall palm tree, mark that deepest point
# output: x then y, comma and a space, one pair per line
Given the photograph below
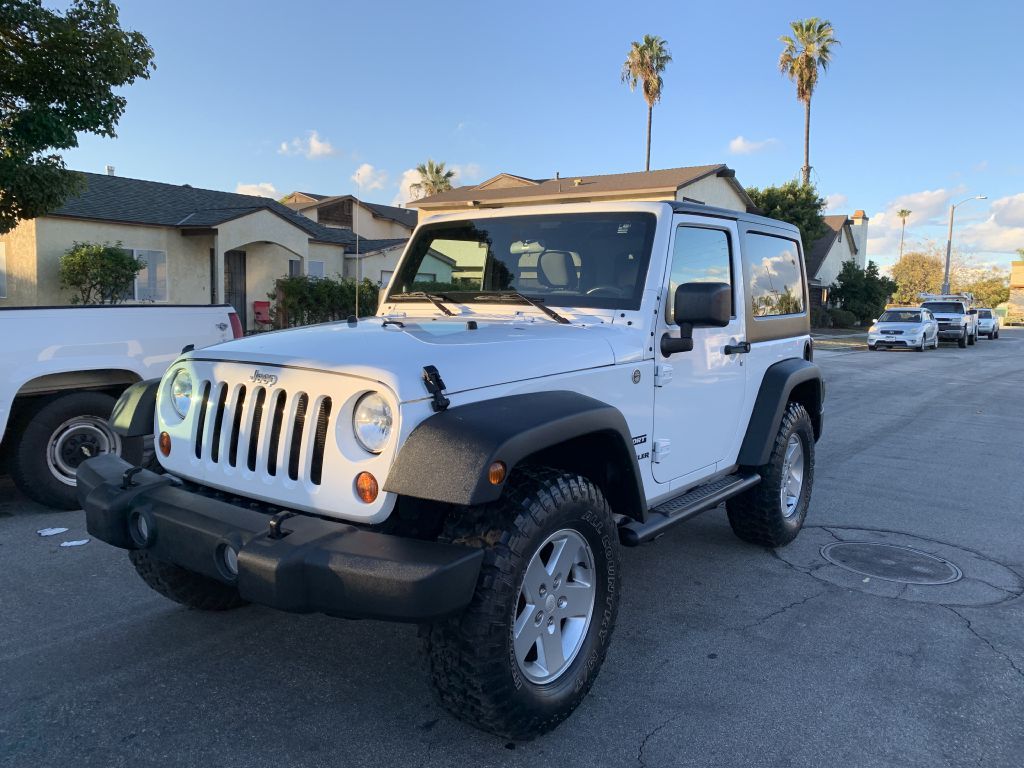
806, 51
645, 62
434, 178
903, 213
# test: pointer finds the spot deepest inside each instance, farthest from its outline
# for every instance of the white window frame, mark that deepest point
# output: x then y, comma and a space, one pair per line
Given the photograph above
167, 279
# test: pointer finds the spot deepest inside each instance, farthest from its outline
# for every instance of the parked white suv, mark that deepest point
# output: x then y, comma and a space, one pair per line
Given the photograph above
540, 385
64, 368
988, 323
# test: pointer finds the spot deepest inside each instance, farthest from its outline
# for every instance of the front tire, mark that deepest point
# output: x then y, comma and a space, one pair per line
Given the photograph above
962, 341
972, 339
772, 513
529, 646
53, 438
191, 589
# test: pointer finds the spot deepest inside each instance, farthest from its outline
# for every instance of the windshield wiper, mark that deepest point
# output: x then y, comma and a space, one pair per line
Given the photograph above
434, 298
500, 295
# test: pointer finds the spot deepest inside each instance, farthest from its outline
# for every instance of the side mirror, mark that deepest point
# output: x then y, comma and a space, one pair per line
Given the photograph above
972, 311
874, 320
696, 304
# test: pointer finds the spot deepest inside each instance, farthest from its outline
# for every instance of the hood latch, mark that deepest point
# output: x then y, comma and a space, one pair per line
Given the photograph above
435, 384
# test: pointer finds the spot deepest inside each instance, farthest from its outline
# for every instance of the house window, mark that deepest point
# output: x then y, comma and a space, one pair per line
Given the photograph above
294, 268
775, 282
385, 277
3, 270
151, 282
315, 268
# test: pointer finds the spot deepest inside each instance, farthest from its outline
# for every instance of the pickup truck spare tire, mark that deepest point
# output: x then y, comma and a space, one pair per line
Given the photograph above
55, 435
528, 647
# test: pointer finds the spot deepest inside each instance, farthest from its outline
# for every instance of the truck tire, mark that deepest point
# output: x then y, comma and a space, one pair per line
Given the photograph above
50, 440
183, 586
962, 341
549, 586
772, 513
972, 339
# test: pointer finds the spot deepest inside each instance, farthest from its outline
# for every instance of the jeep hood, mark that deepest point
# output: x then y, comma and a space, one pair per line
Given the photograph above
496, 352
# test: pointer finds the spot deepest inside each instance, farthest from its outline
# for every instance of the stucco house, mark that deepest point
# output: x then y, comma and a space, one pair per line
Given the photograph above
200, 246
1015, 306
709, 184
845, 239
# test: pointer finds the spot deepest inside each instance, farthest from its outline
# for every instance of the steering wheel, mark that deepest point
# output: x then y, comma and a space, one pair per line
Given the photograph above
611, 291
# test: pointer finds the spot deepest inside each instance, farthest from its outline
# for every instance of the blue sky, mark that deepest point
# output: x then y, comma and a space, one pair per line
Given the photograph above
924, 101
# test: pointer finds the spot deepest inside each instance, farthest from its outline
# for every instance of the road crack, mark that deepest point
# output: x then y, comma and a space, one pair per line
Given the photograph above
782, 610
648, 736
970, 628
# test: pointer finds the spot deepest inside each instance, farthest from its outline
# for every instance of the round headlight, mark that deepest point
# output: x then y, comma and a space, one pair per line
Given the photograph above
181, 392
371, 422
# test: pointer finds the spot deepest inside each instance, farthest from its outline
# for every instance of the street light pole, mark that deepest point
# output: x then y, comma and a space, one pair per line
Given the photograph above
949, 237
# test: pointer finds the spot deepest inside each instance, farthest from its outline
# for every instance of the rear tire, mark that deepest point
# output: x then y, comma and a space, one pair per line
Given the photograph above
762, 515
486, 664
183, 586
972, 339
52, 439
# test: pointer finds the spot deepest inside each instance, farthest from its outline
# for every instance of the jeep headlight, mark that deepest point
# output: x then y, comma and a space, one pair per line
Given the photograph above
371, 422
180, 391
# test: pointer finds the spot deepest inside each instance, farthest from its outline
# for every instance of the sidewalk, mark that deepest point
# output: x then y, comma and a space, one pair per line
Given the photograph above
839, 338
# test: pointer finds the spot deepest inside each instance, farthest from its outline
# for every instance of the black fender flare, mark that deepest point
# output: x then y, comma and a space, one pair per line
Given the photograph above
778, 386
447, 456
135, 411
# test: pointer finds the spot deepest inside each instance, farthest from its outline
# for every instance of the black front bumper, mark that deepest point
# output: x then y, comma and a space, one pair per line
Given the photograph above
315, 566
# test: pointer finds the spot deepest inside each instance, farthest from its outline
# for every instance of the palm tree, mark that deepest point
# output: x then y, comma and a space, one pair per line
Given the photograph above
434, 178
903, 213
806, 51
644, 64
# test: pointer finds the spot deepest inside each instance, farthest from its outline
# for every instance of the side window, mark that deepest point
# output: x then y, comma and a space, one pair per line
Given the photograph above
776, 285
701, 255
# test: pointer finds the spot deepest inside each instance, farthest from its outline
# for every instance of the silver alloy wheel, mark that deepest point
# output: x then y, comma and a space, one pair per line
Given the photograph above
792, 476
555, 606
76, 440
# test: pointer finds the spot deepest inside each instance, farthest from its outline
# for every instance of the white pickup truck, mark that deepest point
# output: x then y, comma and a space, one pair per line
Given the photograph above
63, 370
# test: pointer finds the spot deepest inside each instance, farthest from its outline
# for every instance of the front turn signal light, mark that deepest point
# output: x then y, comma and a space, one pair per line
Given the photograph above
165, 444
496, 473
366, 487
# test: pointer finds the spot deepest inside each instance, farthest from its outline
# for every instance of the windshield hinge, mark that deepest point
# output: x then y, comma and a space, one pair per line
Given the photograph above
435, 384
662, 374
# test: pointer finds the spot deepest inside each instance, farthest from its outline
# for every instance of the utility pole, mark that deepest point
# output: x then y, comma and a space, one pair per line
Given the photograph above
949, 237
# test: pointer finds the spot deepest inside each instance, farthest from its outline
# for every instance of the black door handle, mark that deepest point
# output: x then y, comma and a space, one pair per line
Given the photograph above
737, 349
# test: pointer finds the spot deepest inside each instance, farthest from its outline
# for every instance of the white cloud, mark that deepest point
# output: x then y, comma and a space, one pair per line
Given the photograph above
405, 193
743, 146
465, 174
312, 146
927, 207
261, 189
836, 203
369, 178
1002, 231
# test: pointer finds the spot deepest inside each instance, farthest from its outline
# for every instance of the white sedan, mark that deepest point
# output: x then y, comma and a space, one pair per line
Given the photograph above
904, 328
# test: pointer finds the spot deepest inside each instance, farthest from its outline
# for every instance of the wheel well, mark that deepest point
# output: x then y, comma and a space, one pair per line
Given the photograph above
603, 459
808, 394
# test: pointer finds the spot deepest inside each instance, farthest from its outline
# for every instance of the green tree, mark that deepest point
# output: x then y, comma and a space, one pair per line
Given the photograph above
903, 214
794, 203
806, 52
434, 178
990, 287
58, 72
917, 272
99, 274
644, 64
864, 292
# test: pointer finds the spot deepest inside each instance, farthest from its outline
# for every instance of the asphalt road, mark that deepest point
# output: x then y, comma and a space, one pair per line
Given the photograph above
724, 655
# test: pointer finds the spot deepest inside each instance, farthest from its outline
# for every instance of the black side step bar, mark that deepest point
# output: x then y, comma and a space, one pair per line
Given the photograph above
693, 502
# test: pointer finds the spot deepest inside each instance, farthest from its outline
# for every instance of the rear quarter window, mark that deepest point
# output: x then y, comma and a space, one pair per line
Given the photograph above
775, 281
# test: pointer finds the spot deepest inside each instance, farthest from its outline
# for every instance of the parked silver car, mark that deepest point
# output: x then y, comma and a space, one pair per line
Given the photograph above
904, 328
988, 323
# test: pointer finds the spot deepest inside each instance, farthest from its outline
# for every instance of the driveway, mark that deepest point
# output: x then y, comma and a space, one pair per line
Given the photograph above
725, 654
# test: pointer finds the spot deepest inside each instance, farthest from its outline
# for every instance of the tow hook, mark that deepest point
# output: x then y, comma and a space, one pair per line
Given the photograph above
128, 478
274, 524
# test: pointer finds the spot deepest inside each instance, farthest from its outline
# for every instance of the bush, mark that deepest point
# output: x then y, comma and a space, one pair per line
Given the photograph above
100, 274
842, 318
820, 318
304, 300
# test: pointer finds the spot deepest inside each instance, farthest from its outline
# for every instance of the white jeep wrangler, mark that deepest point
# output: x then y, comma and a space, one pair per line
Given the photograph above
540, 386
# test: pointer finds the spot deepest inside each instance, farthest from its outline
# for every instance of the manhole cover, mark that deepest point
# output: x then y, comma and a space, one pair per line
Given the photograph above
891, 562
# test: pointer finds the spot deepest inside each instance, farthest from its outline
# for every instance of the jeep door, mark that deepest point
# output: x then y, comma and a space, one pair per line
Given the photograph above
699, 394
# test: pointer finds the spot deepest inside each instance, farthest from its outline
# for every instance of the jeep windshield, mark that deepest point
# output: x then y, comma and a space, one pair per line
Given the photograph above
565, 260
945, 307
894, 316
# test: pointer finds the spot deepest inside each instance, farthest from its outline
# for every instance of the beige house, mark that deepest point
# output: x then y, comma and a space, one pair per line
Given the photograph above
714, 185
845, 239
200, 246
1015, 306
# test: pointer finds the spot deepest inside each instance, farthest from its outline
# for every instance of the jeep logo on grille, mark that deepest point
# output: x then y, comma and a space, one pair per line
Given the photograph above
267, 379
